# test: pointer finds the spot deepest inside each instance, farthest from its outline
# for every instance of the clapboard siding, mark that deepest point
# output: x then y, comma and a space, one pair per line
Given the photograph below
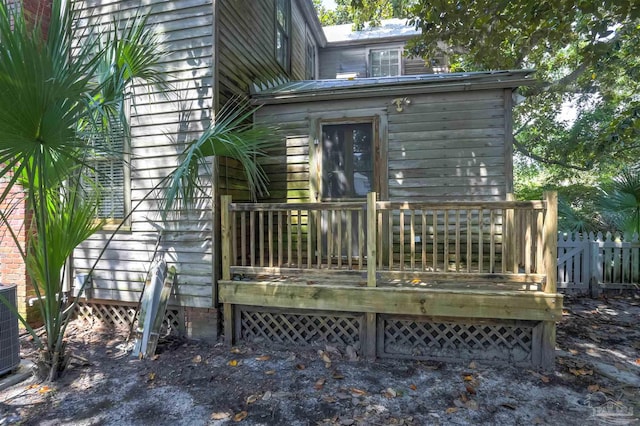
444, 146
355, 59
161, 123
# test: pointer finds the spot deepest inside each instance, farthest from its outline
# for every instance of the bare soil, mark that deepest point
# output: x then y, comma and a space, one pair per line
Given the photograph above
596, 380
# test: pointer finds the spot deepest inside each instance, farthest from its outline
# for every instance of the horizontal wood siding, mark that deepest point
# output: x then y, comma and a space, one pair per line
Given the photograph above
161, 125
246, 46
449, 147
354, 59
442, 146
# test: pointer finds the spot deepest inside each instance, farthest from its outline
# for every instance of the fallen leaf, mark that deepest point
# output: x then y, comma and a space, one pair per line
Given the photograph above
33, 386
351, 353
467, 378
328, 398
473, 365
458, 403
155, 357
390, 393
197, 359
357, 391
593, 388
319, 383
544, 379
300, 366
267, 396
509, 406
252, 398
236, 351
337, 375
416, 281
471, 404
451, 410
220, 415
45, 389
325, 358
240, 416
638, 361
332, 349
151, 376
470, 389
234, 363
263, 358
581, 372
413, 387
270, 372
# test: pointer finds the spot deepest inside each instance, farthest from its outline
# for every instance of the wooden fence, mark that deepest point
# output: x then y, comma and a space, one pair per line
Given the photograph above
588, 263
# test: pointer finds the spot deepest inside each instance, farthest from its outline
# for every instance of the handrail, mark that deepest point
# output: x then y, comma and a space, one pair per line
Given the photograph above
504, 237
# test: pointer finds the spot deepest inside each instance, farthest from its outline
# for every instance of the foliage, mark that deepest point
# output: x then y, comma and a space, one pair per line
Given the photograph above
620, 201
54, 98
580, 122
232, 135
361, 12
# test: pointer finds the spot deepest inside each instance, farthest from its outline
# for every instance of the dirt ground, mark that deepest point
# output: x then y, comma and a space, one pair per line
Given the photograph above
596, 381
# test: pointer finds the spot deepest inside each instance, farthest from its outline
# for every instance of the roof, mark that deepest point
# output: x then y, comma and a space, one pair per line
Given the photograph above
307, 90
388, 29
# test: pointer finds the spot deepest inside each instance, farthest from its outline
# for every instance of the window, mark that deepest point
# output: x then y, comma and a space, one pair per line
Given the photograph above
283, 25
310, 63
347, 160
108, 174
384, 62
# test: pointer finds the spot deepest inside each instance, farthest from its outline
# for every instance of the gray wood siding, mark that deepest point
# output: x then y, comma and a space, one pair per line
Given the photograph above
354, 59
161, 124
443, 146
246, 46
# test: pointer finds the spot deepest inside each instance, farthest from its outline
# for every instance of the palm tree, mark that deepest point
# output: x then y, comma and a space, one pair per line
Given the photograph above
55, 98
620, 201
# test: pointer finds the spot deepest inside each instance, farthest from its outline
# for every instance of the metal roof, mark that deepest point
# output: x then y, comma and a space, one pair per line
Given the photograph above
389, 28
301, 91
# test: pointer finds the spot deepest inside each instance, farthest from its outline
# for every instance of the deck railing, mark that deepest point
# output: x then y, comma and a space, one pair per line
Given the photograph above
493, 237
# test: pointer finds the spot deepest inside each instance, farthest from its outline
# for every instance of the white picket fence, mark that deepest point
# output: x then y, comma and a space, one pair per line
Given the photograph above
588, 263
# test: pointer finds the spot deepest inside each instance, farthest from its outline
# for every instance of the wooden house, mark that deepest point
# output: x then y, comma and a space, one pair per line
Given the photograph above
389, 225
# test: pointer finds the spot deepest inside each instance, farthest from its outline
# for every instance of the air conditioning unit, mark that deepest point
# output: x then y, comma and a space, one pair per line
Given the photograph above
9, 342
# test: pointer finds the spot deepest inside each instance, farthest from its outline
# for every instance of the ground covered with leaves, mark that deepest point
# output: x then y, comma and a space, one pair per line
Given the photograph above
596, 380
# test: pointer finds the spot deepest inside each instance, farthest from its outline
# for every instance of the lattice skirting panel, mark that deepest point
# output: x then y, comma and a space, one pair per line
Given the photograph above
112, 315
293, 327
452, 339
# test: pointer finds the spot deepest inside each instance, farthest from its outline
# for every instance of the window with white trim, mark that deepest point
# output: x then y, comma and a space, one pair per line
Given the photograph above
384, 62
283, 32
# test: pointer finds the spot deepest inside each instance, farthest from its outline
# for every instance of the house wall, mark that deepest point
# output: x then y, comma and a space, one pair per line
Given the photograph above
442, 146
161, 124
355, 59
246, 46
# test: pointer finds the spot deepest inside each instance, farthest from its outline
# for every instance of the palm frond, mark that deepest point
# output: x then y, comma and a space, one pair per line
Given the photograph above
232, 135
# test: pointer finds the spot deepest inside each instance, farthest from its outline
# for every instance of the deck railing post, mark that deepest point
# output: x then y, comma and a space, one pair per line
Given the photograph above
550, 241
509, 259
225, 201
371, 239
370, 348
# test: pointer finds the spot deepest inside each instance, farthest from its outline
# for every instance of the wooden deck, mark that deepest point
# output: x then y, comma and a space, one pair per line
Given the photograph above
293, 275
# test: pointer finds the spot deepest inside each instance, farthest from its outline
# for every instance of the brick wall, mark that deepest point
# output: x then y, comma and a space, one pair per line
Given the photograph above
38, 11
12, 267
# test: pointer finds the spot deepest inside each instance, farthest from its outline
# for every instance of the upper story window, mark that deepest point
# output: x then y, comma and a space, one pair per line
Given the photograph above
283, 33
384, 62
310, 63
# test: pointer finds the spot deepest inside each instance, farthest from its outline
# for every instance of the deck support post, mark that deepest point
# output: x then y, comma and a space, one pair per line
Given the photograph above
509, 259
225, 249
227, 312
550, 250
370, 317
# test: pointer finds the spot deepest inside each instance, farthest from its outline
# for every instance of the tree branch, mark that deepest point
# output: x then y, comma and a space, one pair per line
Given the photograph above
523, 150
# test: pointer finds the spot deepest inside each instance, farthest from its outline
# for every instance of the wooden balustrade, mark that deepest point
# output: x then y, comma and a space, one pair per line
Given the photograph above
501, 237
